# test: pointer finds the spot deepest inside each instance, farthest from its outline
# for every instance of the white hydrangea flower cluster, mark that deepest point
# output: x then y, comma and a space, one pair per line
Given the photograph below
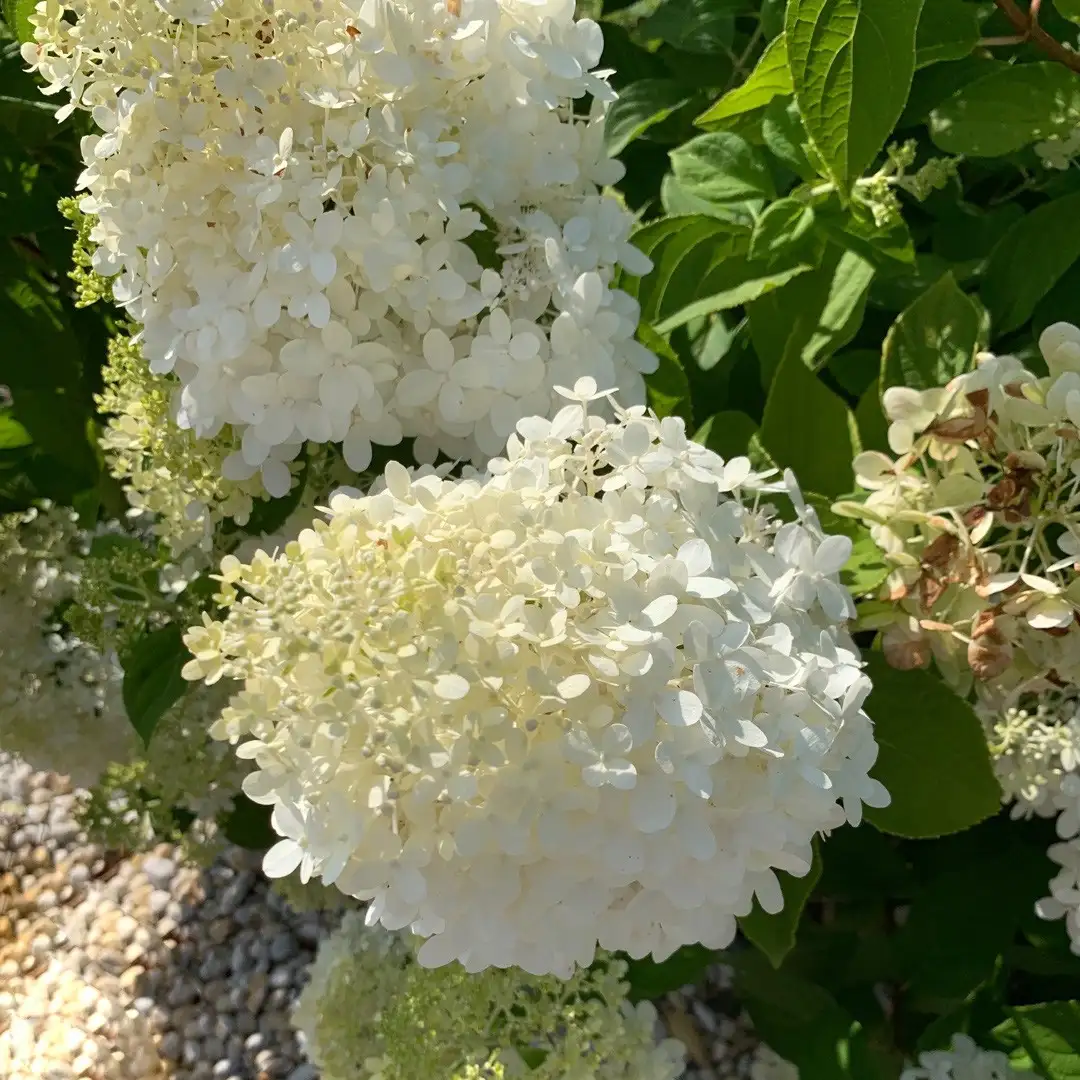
1036, 749
965, 1060
352, 221
60, 705
595, 694
1064, 899
979, 514
66, 1027
1060, 153
369, 1012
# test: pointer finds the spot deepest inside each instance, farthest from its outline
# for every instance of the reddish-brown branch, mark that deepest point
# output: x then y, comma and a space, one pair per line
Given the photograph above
1027, 24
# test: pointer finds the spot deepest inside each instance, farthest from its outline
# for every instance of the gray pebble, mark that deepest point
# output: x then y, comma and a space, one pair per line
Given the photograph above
212, 1048
233, 895
159, 871
254, 1042
283, 947
171, 1046
282, 977
182, 993
213, 966
222, 1068
307, 1071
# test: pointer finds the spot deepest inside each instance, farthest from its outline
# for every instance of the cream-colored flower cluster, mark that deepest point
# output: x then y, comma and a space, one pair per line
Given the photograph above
166, 471
370, 1012
1035, 750
965, 1060
60, 703
598, 693
352, 221
979, 517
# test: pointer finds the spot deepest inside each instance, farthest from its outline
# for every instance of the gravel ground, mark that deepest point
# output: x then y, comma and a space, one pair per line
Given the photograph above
144, 968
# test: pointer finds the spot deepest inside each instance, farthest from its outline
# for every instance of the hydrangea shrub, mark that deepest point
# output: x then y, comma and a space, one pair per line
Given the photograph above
592, 490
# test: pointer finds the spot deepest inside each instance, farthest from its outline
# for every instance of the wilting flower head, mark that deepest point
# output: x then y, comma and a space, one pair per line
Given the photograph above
595, 694
979, 517
370, 1011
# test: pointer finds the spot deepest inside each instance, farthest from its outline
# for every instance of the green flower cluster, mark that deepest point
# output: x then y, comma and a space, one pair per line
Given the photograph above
371, 1012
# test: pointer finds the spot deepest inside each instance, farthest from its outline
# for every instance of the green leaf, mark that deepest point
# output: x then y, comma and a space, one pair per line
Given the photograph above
701, 26
933, 756
721, 167
1007, 109
668, 388
1029, 259
649, 980
248, 825
806, 427
700, 265
774, 935
948, 30
13, 435
1050, 1033
727, 433
934, 339
888, 247
1070, 9
784, 224
770, 79
851, 66
816, 314
17, 15
152, 679
639, 106
802, 1021
949, 949
785, 136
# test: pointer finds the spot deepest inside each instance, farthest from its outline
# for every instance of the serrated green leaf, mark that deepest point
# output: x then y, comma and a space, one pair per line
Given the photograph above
639, 106
775, 934
816, 313
722, 167
851, 65
1029, 259
948, 30
784, 224
934, 339
152, 679
933, 758
808, 428
17, 15
1008, 109
700, 265
769, 79
1050, 1033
